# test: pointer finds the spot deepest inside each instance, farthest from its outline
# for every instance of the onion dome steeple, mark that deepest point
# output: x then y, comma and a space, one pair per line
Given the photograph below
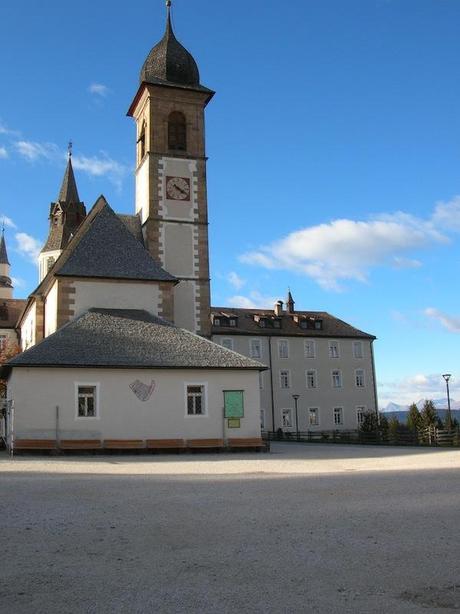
169, 61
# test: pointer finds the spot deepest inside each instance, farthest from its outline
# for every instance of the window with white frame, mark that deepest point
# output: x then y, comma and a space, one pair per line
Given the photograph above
311, 379
336, 378
255, 348
286, 418
262, 419
313, 416
87, 401
334, 349
283, 348
338, 416
360, 414
309, 348
196, 399
261, 380
357, 349
285, 379
227, 343
359, 378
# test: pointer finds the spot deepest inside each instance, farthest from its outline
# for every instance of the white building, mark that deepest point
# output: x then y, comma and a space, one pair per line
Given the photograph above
328, 363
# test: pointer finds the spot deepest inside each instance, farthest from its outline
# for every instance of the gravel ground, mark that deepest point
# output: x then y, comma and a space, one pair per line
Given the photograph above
306, 528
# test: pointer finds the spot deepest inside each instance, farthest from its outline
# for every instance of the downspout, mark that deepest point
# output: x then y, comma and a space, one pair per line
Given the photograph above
375, 383
271, 382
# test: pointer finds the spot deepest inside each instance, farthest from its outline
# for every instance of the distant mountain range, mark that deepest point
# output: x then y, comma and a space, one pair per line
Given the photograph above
438, 403
393, 410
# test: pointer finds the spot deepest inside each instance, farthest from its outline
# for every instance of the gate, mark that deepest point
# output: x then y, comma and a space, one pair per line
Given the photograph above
7, 424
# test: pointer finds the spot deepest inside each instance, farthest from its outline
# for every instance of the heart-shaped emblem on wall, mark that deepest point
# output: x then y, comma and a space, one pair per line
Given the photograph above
141, 390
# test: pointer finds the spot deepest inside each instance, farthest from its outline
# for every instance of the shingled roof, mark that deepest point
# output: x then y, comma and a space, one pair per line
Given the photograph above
248, 322
128, 339
10, 310
106, 247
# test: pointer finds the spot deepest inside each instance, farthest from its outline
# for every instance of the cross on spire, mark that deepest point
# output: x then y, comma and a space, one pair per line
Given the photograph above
69, 149
168, 3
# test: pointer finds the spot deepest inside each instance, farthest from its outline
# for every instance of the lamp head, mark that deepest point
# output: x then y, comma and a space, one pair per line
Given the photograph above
447, 376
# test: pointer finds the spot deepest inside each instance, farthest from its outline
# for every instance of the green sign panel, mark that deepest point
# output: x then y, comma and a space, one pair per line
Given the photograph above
234, 403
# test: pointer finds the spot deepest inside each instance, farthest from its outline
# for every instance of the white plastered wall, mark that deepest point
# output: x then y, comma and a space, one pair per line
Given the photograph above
116, 295
28, 328
51, 309
37, 392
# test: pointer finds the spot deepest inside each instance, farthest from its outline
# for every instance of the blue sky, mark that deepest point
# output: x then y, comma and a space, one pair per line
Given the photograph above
334, 153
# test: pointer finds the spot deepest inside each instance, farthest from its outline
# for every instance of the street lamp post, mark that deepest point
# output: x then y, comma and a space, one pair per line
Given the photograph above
296, 398
447, 377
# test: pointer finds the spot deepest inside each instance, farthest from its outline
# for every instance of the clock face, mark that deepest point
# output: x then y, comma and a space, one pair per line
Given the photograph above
178, 188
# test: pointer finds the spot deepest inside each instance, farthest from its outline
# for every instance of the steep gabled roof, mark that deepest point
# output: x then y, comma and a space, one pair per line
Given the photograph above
105, 248
114, 338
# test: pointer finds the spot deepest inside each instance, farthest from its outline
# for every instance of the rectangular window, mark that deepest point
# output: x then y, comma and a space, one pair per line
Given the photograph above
283, 348
338, 415
255, 348
227, 343
357, 349
336, 379
313, 416
2, 342
196, 403
285, 379
87, 401
286, 418
232, 322
309, 349
311, 379
216, 321
359, 378
360, 414
334, 349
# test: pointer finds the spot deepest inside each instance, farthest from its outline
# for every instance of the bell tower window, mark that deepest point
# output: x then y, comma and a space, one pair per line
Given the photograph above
141, 142
177, 131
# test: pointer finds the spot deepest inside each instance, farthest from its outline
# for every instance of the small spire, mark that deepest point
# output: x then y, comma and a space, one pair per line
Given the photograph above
3, 253
68, 192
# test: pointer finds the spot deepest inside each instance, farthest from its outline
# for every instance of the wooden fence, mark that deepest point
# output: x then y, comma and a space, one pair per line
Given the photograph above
431, 436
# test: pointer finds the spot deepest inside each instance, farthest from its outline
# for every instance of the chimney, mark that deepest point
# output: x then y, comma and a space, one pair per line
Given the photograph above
279, 308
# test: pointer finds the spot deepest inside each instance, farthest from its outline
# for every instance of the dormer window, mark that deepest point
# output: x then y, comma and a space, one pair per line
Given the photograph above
303, 324
232, 322
262, 323
276, 323
216, 322
318, 324
49, 263
177, 131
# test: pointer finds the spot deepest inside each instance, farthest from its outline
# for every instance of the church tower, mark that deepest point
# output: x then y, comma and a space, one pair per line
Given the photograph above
171, 174
6, 287
66, 215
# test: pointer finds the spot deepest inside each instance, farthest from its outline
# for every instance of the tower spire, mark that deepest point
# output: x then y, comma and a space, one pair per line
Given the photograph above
68, 192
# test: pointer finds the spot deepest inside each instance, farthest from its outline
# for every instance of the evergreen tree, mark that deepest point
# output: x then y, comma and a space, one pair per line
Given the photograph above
369, 423
429, 415
414, 418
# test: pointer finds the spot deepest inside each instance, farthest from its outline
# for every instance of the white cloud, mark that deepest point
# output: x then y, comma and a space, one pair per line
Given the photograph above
255, 300
5, 130
447, 215
3, 152
415, 387
18, 282
7, 221
452, 323
101, 166
33, 151
28, 246
236, 281
99, 89
399, 262
345, 249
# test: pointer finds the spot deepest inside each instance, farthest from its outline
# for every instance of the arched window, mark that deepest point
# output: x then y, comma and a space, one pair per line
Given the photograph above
141, 142
177, 131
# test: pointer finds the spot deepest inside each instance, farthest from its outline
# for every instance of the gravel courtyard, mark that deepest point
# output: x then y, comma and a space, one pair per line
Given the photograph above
306, 528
